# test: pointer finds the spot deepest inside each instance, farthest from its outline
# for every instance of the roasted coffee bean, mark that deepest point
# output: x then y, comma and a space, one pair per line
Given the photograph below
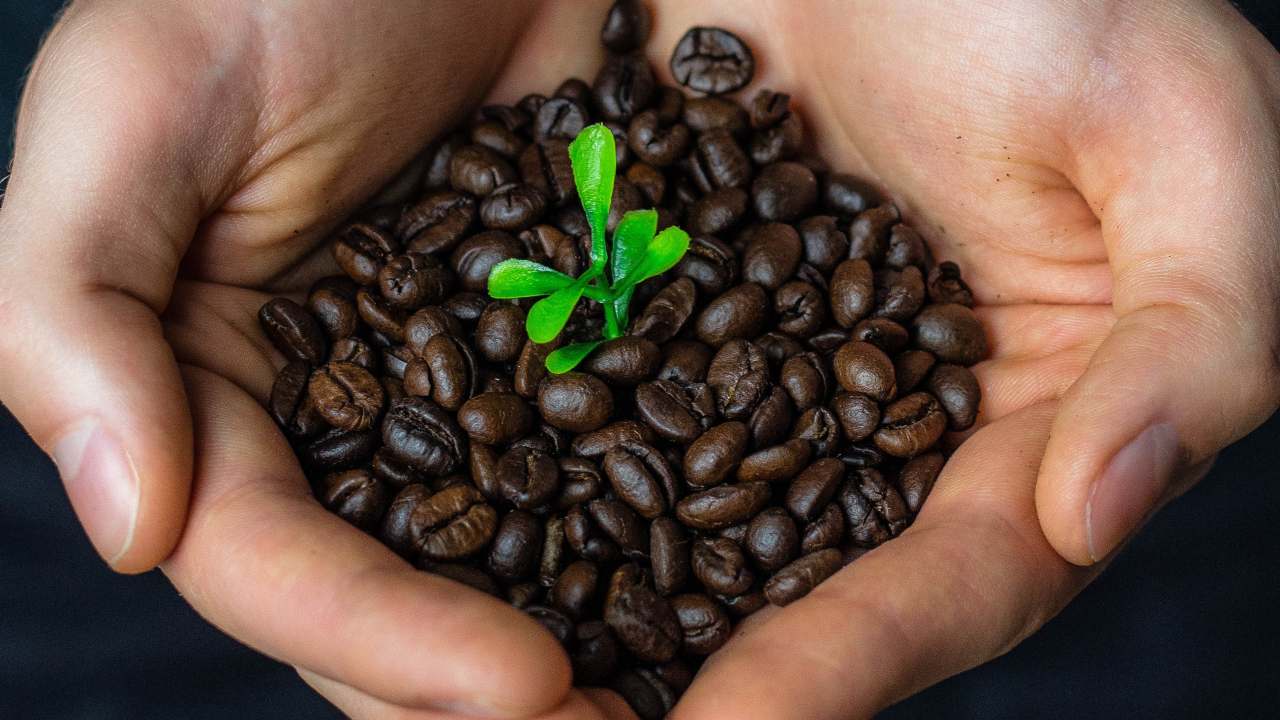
739, 377
800, 307
531, 369
641, 478
497, 137
524, 595
650, 181
800, 577
545, 167
357, 352
911, 425
869, 233
884, 333
627, 360
424, 435
356, 496
736, 533
598, 442
806, 379
499, 332
527, 478
425, 324
846, 194
626, 198
860, 455
468, 575
554, 539
622, 525
780, 142
626, 27
339, 449
677, 413
718, 211
772, 539
864, 526
380, 316
721, 567
586, 539
778, 347
512, 207
577, 402
813, 489
392, 470
780, 462
555, 622
712, 61
825, 246
702, 114
453, 370
655, 142
906, 247
580, 481
704, 624
641, 618
715, 455
647, 695
784, 191
437, 222
410, 281
899, 295
772, 255
826, 531
667, 312
293, 331
347, 396
718, 161
858, 414
771, 420
438, 160
335, 310
560, 119
685, 362
289, 404
475, 257
595, 653
623, 87
952, 332
946, 285
957, 391
575, 589
826, 342
478, 170
911, 367
447, 525
668, 555
853, 292
722, 505
495, 418
575, 89
916, 478
361, 250
884, 498
415, 376
466, 306
741, 606
863, 367
710, 264
396, 360
517, 544
819, 427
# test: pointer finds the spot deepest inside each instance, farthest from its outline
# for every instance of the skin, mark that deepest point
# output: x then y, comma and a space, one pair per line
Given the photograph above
1105, 173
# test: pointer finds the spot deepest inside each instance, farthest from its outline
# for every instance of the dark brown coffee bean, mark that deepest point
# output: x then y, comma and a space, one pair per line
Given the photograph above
545, 167
772, 539
361, 250
499, 335
784, 191
641, 478
800, 577
899, 295
437, 222
778, 347
293, 331
712, 61
806, 379
531, 369
290, 405
338, 450
869, 233
768, 108
819, 427
447, 525
595, 654
946, 285
424, 435
957, 391
598, 442
334, 308
641, 618
577, 402
722, 505
356, 496
346, 395
826, 531
771, 420
586, 539
772, 255
647, 696
862, 455
410, 281
952, 332
626, 360
825, 246
813, 489
649, 180
396, 360
911, 425
718, 211
453, 370
576, 588
668, 555
475, 257
741, 606
863, 524
497, 137
380, 316
393, 471
780, 462
555, 536
517, 544
858, 414
524, 595
512, 207
853, 292
622, 525
466, 306
715, 455
425, 324
581, 481
623, 87
846, 194
917, 477
438, 159
906, 247
655, 142
884, 498
357, 352
739, 377
559, 119
718, 161
677, 413
864, 368
704, 624
626, 27
495, 418
667, 312
478, 170
721, 567
416, 377
801, 308
527, 478
710, 264
911, 367
468, 575
884, 333
702, 114
555, 622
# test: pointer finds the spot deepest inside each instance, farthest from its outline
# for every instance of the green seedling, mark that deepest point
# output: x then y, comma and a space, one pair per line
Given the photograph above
638, 252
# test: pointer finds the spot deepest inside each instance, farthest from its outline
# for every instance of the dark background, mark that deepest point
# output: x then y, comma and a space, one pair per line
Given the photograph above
1183, 625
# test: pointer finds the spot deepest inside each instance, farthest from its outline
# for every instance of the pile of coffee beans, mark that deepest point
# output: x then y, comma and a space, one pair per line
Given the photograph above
774, 413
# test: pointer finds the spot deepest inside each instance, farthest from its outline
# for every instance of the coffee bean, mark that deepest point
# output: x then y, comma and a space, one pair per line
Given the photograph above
555, 622
911, 367
648, 697
722, 505
495, 418
475, 257
667, 312
957, 391
466, 306
640, 618
801, 576
453, 370
819, 427
946, 285
704, 624
813, 489
778, 347
334, 308
952, 332
293, 331
806, 379
714, 455
346, 395
899, 295
437, 222
779, 462
545, 167
741, 606
911, 425
626, 27
772, 539
780, 140
581, 481
595, 653
527, 478
721, 567
655, 142
623, 87
668, 555
702, 114
574, 401
884, 498
598, 442
712, 61
853, 292
424, 435
772, 255
497, 137
649, 180
356, 496
800, 307
710, 264
862, 367
826, 531
869, 233
439, 157
771, 419
575, 588
906, 247
823, 242
917, 477
361, 250
392, 470
447, 525
784, 191
289, 404
338, 449
622, 525
846, 194
478, 170
641, 478
517, 544
739, 377
420, 327
586, 539
531, 369
718, 211
858, 414
512, 207
885, 334
624, 361
677, 413
499, 332
718, 161
380, 316
860, 455
555, 536
864, 526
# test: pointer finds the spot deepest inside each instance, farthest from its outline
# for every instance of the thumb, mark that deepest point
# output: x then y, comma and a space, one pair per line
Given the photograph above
1193, 361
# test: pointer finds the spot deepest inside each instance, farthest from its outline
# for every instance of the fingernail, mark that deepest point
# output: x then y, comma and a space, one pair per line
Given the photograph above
103, 486
1126, 493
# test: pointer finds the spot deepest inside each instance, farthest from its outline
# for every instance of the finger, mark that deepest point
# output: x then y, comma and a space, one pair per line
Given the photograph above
967, 581
362, 706
1190, 224
265, 563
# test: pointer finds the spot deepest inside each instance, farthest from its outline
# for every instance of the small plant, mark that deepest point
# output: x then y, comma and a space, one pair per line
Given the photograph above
636, 255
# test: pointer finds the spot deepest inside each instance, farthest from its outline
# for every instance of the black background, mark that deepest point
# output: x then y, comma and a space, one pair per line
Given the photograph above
1183, 625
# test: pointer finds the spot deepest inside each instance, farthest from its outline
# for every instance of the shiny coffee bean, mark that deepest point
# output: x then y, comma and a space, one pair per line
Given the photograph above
906, 247
289, 404
709, 113
869, 233
559, 118
655, 142
357, 352
946, 286
577, 402
356, 496
499, 335
864, 526
478, 170
778, 347
952, 332
806, 379
392, 470
623, 87
596, 443
911, 425
474, 258
685, 361
648, 696
580, 481
512, 207
846, 195
911, 368
626, 360
677, 413
800, 307
899, 295
739, 377
720, 565
712, 61
853, 292
650, 181
641, 618
531, 369
447, 525
667, 312
555, 547
819, 427
409, 281
575, 588
710, 264
545, 167
800, 577
496, 418
555, 622
466, 306
718, 211
858, 414
957, 391
595, 653
437, 222
772, 539
626, 27
715, 454
784, 191
641, 478
347, 396
362, 250
453, 370
916, 478
703, 622
424, 435
338, 449
527, 478
779, 462
825, 531
813, 489
771, 419
825, 246
722, 505
718, 161
497, 137
862, 367
425, 324
884, 499
380, 316
517, 544
335, 309
622, 525
772, 255
668, 555
884, 333
293, 331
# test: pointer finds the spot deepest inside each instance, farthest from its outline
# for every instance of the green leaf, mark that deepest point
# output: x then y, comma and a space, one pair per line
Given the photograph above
631, 241
662, 254
524, 278
622, 305
547, 316
592, 155
567, 358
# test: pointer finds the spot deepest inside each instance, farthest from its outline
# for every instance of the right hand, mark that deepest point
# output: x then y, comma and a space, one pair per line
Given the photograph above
177, 165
